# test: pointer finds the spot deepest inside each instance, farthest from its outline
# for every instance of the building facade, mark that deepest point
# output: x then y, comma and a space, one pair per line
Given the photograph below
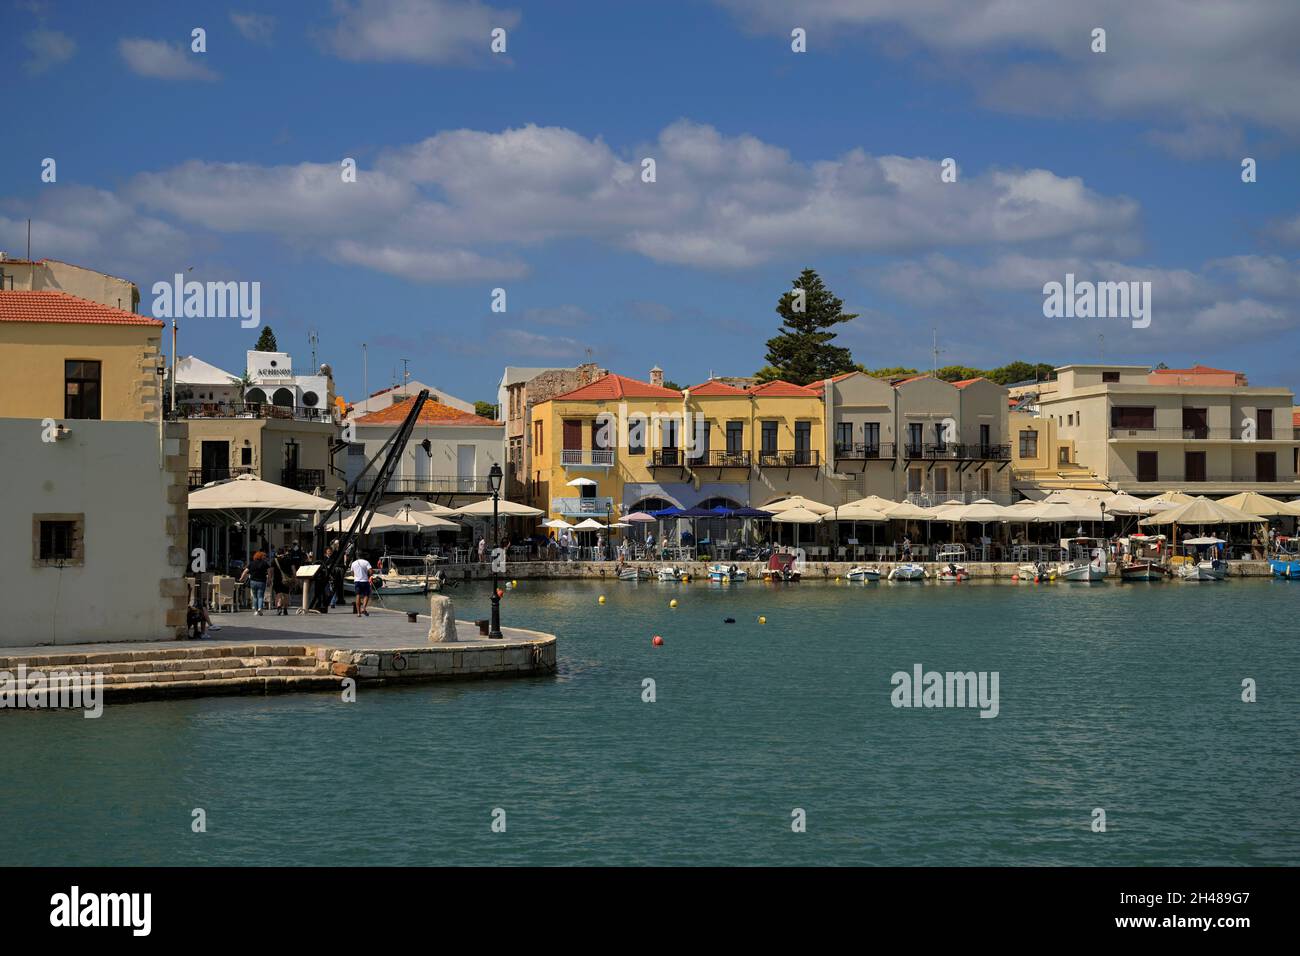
619, 445
519, 391
102, 479
447, 458
1142, 438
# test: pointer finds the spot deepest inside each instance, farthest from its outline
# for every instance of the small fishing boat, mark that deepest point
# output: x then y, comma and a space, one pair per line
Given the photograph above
781, 567
953, 572
950, 559
1088, 562
1144, 558
1285, 562
859, 573
908, 572
668, 573
1034, 574
631, 573
727, 572
415, 574
1208, 567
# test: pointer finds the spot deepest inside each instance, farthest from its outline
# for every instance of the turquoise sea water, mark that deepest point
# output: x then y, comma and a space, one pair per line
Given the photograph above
1124, 697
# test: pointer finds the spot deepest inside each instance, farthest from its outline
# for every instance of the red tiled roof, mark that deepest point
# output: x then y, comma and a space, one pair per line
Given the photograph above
914, 378
968, 381
616, 387
1201, 369
780, 389
48, 305
432, 413
714, 387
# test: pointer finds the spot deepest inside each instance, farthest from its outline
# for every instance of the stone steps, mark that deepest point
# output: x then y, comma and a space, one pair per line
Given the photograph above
185, 671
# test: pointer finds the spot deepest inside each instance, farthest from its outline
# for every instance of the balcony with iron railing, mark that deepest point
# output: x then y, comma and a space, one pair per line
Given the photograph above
586, 457
956, 451
249, 410
303, 479
865, 451
799, 458
431, 485
680, 458
1200, 433
202, 476
589, 506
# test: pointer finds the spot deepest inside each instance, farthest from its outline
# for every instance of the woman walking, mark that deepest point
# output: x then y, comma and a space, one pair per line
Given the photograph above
255, 576
282, 573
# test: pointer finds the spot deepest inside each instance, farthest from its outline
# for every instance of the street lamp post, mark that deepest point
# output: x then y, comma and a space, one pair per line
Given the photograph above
494, 480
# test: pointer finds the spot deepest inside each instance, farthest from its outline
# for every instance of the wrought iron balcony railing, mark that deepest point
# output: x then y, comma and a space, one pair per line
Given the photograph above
865, 451
587, 457
802, 458
195, 410
303, 479
202, 476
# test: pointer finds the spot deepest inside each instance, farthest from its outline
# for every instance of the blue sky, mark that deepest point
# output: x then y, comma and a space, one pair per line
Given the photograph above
521, 171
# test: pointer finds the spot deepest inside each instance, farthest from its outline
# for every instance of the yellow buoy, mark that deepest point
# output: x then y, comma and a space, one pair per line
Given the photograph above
514, 584
761, 619
837, 579
673, 602
601, 599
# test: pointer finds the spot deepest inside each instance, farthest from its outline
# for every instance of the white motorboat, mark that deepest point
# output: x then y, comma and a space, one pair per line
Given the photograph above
1088, 561
630, 573
953, 573
668, 574
415, 574
859, 573
727, 572
1203, 567
1034, 574
908, 572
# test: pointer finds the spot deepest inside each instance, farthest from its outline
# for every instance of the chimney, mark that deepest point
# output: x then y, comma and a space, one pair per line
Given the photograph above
657, 376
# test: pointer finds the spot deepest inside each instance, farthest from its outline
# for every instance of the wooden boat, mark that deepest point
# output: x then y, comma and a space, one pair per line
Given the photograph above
1285, 562
781, 567
859, 573
1144, 558
631, 573
1088, 564
1207, 567
953, 573
1142, 570
668, 573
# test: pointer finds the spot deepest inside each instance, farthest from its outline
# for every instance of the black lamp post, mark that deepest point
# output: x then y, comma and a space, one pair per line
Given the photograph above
494, 481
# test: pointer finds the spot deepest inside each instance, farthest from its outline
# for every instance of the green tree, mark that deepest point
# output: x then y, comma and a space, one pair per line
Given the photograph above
801, 351
485, 410
266, 341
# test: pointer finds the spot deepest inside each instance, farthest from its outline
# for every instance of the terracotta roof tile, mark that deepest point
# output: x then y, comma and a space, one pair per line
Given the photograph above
781, 389
432, 413
615, 387
714, 387
48, 305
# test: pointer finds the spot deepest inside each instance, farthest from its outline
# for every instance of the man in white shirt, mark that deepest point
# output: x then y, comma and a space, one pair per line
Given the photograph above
361, 581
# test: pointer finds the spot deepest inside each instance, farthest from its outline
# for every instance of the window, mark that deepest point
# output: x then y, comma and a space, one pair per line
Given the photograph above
1265, 466
1194, 465
58, 540
914, 439
1265, 430
939, 432
701, 440
1110, 377
572, 434
735, 438
1133, 417
843, 436
985, 440
636, 435
803, 443
1196, 423
769, 438
941, 481
537, 438
986, 481
668, 429
871, 437
1029, 444
1070, 417
1063, 455
599, 435
81, 389
914, 480
1148, 463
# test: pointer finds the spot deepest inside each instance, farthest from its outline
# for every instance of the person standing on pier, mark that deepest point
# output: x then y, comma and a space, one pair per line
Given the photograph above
361, 584
282, 575
255, 575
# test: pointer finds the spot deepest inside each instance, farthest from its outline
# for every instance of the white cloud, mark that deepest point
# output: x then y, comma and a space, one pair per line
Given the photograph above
255, 27
1178, 61
160, 60
428, 265
416, 31
48, 49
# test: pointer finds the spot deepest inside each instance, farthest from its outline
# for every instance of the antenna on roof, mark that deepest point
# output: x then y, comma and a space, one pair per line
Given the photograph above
313, 338
406, 376
935, 350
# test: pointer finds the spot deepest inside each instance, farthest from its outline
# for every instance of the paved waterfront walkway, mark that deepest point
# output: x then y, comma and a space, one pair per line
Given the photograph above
382, 630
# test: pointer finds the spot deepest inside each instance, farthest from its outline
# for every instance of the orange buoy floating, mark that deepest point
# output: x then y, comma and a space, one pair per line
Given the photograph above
657, 641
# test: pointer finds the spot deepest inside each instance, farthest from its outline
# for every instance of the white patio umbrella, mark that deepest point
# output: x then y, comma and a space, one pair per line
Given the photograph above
590, 524
556, 523
505, 508
414, 504
1203, 511
1252, 502
796, 517
797, 502
580, 483
856, 511
252, 500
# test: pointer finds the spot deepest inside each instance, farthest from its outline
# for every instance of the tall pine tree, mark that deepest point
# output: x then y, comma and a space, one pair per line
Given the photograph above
801, 351
266, 341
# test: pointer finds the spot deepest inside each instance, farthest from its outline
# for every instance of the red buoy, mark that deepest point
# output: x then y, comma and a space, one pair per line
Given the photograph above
657, 641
